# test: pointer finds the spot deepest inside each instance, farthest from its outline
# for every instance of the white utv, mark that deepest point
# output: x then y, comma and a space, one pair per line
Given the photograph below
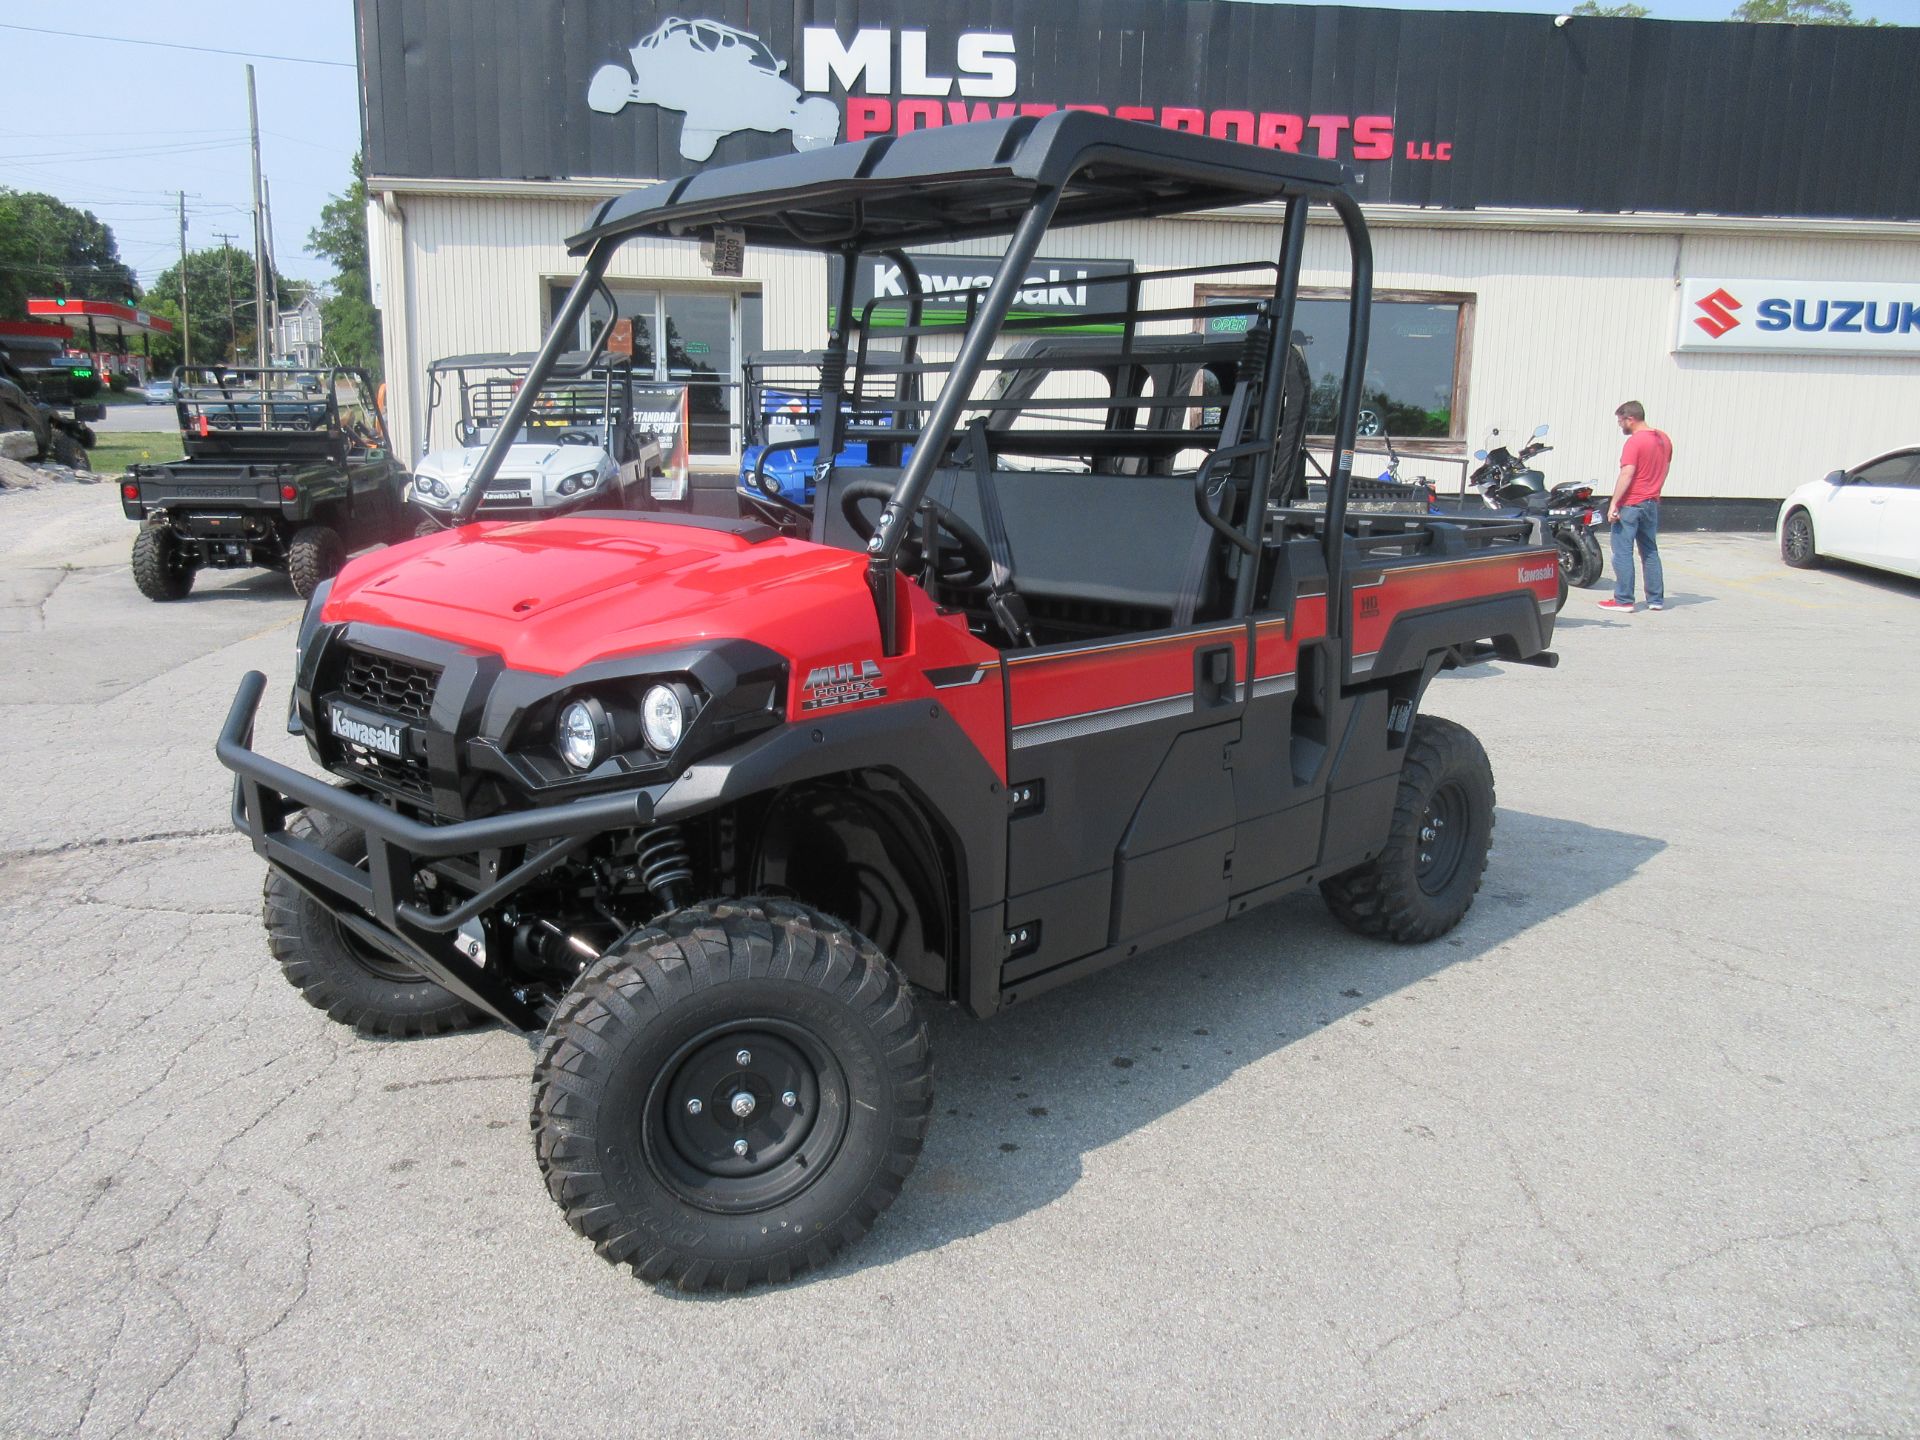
579, 447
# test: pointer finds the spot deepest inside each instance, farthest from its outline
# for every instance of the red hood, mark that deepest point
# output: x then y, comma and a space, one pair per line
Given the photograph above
552, 595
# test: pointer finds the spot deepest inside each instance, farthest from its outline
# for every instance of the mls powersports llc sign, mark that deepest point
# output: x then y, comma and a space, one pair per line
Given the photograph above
1072, 291
1429, 107
1798, 317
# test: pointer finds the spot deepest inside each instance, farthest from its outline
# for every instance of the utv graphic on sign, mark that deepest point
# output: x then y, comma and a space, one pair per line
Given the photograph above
719, 805
722, 80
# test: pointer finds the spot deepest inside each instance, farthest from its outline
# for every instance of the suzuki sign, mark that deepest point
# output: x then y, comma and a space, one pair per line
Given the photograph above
1797, 317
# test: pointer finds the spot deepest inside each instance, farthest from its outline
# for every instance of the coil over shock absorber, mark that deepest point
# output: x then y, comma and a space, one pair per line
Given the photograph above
664, 865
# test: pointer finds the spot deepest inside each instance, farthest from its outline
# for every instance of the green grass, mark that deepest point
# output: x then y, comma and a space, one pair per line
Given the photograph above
115, 453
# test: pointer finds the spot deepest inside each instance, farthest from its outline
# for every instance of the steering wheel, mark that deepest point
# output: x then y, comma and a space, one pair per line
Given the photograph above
577, 437
966, 564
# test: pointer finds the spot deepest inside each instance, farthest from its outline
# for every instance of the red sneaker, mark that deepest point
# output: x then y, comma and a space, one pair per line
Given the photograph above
1612, 604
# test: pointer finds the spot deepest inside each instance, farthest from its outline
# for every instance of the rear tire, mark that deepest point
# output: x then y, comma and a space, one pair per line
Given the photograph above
339, 974
315, 553
1596, 562
1572, 558
63, 449
160, 569
639, 1088
1423, 881
1796, 542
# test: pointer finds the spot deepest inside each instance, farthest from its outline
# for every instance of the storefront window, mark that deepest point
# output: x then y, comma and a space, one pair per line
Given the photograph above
1413, 377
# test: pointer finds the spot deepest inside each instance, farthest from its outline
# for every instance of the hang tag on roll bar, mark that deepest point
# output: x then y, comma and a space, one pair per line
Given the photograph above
725, 250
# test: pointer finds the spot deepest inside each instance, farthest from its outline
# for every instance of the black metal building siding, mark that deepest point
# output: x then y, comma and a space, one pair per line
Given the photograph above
1600, 115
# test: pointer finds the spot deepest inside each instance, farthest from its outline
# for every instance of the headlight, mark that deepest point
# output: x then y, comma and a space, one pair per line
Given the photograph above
663, 718
584, 735
574, 484
427, 485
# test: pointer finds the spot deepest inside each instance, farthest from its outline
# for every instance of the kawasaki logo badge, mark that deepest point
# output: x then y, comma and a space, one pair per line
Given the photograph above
846, 684
1531, 573
375, 736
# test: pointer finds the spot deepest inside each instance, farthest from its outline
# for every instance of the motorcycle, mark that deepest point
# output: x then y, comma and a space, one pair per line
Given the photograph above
1572, 514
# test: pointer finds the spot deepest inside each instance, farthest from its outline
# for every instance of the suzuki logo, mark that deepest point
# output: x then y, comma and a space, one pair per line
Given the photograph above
1717, 317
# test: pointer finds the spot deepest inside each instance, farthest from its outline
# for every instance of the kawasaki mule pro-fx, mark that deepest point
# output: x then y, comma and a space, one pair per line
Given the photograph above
720, 804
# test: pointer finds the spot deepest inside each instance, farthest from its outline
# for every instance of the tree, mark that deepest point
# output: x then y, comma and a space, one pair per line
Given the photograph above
1800, 12
352, 325
1611, 12
220, 294
49, 248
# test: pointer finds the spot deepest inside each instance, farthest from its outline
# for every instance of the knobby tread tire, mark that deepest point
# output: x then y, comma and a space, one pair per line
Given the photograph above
1382, 898
315, 553
64, 449
157, 570
641, 990
314, 957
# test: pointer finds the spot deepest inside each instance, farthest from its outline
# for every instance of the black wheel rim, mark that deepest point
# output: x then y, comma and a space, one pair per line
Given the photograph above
1442, 839
1570, 560
375, 962
732, 1135
1799, 538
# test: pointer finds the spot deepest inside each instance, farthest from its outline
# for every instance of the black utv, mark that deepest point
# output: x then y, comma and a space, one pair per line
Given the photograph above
285, 470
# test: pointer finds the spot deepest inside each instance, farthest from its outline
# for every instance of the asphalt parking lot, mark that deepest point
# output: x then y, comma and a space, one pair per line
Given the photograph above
1636, 1151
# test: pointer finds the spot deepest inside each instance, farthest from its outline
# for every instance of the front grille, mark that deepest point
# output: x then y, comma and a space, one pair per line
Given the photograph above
393, 687
408, 777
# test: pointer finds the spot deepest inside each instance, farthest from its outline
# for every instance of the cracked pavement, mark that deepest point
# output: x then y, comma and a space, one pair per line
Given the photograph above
1632, 1152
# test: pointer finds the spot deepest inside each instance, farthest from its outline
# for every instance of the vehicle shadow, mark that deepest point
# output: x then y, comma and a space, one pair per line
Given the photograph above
1882, 580
1022, 1099
252, 585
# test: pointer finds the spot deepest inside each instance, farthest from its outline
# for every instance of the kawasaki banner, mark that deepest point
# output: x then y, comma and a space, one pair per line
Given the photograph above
1428, 107
1069, 289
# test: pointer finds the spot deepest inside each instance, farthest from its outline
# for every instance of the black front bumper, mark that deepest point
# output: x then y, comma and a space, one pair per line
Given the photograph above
376, 902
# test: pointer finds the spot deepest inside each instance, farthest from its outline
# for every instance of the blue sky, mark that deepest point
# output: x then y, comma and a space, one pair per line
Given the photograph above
118, 128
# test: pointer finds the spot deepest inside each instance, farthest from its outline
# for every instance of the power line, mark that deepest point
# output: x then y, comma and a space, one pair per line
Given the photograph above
171, 45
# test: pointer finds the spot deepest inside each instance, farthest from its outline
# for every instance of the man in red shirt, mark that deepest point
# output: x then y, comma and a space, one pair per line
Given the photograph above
1635, 511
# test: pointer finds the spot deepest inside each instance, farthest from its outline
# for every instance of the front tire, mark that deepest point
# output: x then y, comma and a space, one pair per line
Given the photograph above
336, 972
733, 1096
161, 570
1423, 881
1796, 542
315, 553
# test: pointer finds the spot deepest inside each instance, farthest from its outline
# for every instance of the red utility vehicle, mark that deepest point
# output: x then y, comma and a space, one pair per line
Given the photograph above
1064, 671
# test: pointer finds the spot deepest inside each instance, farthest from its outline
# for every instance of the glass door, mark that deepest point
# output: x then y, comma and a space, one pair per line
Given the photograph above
698, 326
706, 334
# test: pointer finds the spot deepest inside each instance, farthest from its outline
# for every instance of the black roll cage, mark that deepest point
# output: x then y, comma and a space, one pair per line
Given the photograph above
1013, 177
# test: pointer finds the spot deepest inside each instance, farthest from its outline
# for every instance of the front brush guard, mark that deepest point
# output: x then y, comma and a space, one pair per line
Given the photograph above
375, 902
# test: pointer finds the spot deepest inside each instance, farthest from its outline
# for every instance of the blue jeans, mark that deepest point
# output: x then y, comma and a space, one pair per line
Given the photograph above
1638, 528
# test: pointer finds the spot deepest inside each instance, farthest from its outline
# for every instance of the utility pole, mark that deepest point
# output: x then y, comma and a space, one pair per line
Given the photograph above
259, 229
186, 323
273, 264
226, 274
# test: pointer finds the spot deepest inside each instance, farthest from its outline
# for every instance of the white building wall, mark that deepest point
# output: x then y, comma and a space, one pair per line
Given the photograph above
1566, 323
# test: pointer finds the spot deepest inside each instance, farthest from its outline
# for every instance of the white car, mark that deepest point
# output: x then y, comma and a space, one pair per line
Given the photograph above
1869, 515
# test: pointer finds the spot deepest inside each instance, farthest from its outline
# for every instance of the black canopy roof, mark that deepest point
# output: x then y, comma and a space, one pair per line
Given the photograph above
959, 181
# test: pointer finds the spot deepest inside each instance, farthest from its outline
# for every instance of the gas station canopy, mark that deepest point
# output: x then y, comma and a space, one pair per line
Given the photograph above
98, 317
